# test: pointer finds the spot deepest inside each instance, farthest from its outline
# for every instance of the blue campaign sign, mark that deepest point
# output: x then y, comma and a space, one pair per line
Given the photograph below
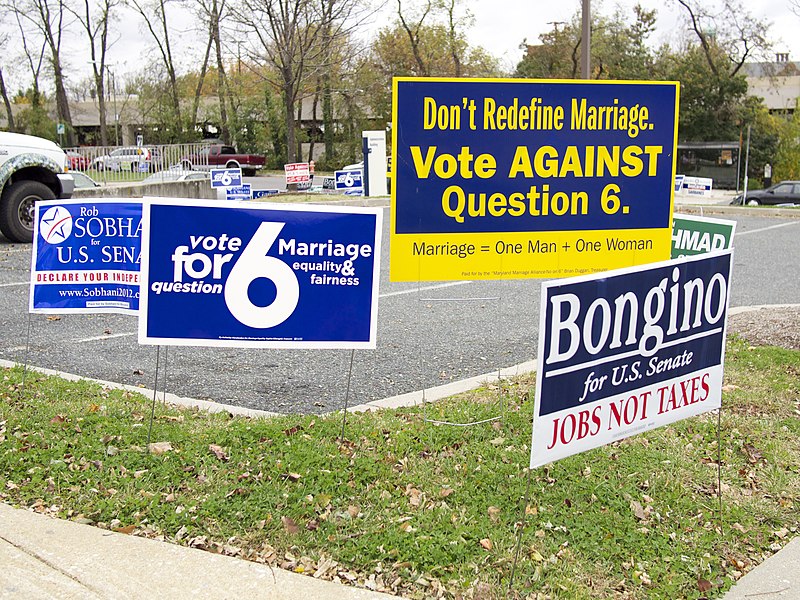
259, 275
241, 192
222, 178
264, 193
349, 181
629, 350
86, 256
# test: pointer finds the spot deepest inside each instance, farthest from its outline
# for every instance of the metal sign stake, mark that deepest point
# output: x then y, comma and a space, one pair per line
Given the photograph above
347, 393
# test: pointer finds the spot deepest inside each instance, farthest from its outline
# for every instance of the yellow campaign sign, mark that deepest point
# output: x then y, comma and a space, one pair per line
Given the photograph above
514, 178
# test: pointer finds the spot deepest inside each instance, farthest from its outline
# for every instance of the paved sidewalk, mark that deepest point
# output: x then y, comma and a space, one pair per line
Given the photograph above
46, 558
776, 577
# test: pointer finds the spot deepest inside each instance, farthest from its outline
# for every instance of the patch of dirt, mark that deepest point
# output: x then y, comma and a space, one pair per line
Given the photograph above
772, 326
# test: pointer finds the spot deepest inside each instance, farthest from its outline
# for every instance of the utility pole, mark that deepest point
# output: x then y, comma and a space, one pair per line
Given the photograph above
586, 39
746, 165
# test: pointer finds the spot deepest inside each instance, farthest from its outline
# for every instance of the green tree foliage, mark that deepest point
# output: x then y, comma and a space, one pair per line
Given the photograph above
156, 93
619, 48
786, 160
711, 103
33, 119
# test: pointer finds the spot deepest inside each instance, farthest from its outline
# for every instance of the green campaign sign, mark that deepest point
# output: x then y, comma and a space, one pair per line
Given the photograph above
693, 235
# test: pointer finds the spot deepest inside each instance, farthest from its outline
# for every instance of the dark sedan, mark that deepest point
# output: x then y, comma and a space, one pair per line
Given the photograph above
785, 192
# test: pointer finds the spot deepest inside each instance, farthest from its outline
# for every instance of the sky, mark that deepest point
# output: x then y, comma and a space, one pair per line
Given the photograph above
500, 26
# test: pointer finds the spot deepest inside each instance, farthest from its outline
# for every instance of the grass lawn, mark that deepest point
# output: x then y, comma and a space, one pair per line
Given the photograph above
408, 507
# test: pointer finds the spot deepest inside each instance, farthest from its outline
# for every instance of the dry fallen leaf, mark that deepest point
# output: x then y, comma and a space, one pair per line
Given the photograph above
754, 455
414, 496
494, 513
703, 585
127, 530
218, 452
445, 492
487, 543
638, 511
159, 447
290, 526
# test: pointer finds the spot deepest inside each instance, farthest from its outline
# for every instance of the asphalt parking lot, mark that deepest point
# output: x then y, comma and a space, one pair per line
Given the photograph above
428, 334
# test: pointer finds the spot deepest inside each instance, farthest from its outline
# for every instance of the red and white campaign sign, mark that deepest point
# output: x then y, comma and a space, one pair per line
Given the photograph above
626, 351
297, 172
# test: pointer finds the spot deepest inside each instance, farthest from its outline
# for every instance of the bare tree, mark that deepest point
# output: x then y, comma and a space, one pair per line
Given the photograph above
154, 13
294, 38
213, 12
33, 50
47, 17
95, 20
6, 103
728, 28
3, 91
456, 42
413, 31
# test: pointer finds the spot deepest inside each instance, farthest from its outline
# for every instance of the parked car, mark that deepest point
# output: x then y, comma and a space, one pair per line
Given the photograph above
785, 192
359, 166
83, 181
217, 156
77, 161
131, 158
176, 175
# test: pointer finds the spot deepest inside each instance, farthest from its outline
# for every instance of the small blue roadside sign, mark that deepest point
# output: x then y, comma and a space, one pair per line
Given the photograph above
349, 181
264, 193
240, 192
222, 178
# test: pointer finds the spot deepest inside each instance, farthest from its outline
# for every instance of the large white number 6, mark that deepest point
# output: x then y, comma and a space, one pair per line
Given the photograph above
254, 264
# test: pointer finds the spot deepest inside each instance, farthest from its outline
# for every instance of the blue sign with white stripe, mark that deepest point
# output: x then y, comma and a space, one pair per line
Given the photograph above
223, 178
86, 256
241, 192
259, 275
349, 181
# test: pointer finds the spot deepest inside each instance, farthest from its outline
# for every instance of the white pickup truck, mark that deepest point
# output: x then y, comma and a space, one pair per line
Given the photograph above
31, 169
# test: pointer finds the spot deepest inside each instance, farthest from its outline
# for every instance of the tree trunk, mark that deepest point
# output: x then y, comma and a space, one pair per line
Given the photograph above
327, 117
6, 102
101, 107
62, 103
222, 79
288, 109
200, 80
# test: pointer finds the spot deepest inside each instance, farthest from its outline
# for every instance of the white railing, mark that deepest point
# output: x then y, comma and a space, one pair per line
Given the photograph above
113, 164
